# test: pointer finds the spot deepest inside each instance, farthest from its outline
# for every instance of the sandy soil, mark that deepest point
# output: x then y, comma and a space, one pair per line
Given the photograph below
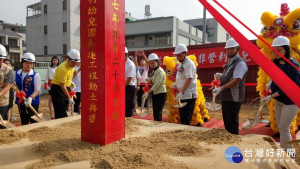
148, 144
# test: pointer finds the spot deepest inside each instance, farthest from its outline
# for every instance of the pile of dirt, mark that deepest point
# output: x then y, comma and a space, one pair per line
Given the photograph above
9, 136
132, 125
153, 151
218, 136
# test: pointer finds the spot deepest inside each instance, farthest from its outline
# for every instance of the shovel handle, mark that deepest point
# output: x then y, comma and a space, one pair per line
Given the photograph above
15, 88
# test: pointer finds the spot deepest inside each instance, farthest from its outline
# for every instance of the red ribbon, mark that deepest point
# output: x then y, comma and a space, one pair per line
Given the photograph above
72, 93
20, 95
215, 83
146, 88
266, 92
175, 91
280, 78
50, 83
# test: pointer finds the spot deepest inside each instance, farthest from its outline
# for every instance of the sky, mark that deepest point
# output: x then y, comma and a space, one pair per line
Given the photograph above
248, 11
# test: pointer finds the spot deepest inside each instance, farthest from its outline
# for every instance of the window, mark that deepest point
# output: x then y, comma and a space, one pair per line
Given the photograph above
162, 39
13, 43
45, 50
65, 49
65, 27
45, 9
65, 5
45, 29
129, 41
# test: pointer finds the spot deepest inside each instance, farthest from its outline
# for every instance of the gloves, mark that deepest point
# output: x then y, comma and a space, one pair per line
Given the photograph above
173, 85
266, 99
268, 85
146, 95
217, 90
28, 102
72, 86
71, 101
179, 96
218, 76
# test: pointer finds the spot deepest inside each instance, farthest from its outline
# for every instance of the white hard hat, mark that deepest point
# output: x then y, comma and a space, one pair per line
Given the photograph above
74, 55
180, 48
28, 57
281, 41
3, 53
153, 56
230, 43
126, 51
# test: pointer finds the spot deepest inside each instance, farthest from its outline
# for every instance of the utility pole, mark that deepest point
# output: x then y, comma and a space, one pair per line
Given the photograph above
204, 26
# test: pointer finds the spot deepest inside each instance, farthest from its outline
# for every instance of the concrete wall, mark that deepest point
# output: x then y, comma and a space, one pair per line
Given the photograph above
54, 19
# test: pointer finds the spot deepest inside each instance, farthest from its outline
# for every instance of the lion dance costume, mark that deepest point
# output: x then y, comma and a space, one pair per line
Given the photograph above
200, 112
288, 25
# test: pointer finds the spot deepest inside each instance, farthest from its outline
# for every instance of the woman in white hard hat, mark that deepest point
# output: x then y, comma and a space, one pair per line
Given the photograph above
61, 83
186, 83
158, 89
50, 73
6, 78
285, 108
29, 81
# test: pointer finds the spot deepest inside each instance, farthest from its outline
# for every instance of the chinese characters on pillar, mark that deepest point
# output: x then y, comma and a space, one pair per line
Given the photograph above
92, 58
117, 52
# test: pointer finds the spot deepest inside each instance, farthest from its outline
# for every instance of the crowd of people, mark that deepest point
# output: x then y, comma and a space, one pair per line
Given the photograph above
137, 78
27, 86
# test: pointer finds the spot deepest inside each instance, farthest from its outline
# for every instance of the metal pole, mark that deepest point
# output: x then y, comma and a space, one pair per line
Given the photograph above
204, 26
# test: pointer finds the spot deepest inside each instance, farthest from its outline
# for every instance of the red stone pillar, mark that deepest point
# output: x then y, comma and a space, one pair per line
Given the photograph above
102, 38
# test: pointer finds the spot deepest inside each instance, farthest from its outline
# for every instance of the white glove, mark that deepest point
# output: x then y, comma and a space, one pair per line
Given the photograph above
73, 86
71, 101
266, 99
28, 102
146, 95
268, 85
219, 75
173, 85
179, 96
217, 90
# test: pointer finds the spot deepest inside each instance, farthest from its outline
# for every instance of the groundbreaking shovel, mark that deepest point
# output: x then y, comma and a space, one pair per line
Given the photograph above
6, 123
252, 122
142, 112
39, 117
179, 105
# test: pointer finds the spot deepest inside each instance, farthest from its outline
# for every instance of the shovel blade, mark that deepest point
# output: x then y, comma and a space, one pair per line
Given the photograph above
7, 124
179, 105
41, 117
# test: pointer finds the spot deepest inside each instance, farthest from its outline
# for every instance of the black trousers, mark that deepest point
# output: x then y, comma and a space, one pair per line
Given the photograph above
26, 113
230, 112
186, 112
158, 102
129, 100
139, 97
60, 102
77, 102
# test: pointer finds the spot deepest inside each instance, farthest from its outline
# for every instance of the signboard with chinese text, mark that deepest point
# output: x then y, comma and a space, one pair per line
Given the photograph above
103, 81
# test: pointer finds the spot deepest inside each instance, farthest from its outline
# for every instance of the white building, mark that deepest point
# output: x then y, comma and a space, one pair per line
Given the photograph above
214, 31
53, 27
13, 38
161, 32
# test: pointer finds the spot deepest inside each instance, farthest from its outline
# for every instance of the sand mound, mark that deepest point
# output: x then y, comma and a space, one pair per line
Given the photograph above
62, 144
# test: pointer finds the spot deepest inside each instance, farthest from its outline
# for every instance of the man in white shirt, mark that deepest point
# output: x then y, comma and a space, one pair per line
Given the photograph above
186, 83
130, 82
